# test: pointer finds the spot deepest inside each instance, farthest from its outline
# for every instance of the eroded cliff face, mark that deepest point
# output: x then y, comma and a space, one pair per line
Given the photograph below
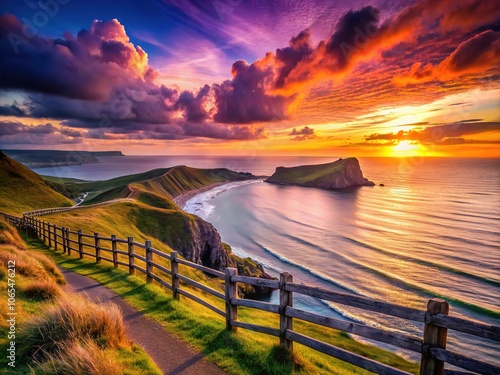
206, 246
350, 176
344, 173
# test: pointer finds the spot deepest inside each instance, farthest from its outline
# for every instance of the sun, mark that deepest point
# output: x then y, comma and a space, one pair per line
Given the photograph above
407, 148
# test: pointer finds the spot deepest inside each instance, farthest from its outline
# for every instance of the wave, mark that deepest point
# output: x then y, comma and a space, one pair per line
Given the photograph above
199, 205
423, 262
403, 284
314, 273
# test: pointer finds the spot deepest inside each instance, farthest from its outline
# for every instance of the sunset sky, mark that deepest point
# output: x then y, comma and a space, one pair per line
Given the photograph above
245, 77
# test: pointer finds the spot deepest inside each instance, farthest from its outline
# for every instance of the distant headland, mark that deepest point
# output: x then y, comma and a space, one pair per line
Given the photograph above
57, 158
341, 174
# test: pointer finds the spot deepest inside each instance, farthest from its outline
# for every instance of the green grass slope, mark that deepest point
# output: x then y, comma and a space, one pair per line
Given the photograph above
166, 183
22, 190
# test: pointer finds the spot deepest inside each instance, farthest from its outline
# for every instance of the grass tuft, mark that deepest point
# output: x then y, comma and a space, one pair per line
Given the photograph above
79, 357
57, 325
42, 290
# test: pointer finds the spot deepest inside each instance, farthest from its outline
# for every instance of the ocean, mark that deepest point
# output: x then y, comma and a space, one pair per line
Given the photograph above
432, 230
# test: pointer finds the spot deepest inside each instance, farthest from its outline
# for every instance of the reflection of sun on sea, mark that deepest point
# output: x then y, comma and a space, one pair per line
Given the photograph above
407, 148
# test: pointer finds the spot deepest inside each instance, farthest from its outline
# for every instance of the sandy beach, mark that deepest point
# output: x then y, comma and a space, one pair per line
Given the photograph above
181, 200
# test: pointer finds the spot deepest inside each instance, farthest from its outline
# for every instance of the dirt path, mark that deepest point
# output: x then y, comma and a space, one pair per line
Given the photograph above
172, 355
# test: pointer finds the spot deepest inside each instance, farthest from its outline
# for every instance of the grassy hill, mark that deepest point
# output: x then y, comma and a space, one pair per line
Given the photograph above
166, 182
22, 190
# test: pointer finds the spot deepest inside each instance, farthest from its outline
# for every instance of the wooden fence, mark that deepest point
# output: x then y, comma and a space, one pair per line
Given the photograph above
432, 345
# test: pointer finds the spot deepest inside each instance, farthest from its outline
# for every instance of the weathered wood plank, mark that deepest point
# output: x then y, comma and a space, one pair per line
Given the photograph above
257, 328
138, 244
122, 263
357, 301
200, 301
161, 268
208, 270
201, 286
265, 306
107, 259
275, 284
159, 253
121, 252
393, 338
465, 325
140, 257
139, 268
344, 355
464, 362
161, 281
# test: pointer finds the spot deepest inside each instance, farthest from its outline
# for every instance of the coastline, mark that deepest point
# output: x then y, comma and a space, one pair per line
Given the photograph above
181, 200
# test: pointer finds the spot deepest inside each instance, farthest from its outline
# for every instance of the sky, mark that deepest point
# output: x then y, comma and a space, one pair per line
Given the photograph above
252, 77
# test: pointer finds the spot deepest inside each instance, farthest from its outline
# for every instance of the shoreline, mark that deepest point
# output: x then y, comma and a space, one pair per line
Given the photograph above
181, 200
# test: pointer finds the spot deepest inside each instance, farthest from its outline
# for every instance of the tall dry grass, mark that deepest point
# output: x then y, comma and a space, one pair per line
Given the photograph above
79, 357
71, 319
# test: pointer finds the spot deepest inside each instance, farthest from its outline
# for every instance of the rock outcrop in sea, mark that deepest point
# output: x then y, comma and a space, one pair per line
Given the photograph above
341, 174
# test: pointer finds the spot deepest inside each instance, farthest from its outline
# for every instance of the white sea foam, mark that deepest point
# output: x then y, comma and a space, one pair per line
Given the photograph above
200, 204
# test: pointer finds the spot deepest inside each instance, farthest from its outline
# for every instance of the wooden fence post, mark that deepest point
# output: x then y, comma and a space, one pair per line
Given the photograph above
68, 241
174, 269
130, 242
113, 249
231, 289
44, 233
286, 299
55, 237
80, 243
97, 241
49, 234
63, 233
434, 336
149, 259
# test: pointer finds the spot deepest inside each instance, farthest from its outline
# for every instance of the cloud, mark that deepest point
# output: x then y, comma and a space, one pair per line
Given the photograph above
468, 14
475, 55
88, 66
305, 133
17, 133
440, 134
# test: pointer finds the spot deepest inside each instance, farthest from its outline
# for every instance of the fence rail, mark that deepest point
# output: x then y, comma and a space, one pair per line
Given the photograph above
432, 345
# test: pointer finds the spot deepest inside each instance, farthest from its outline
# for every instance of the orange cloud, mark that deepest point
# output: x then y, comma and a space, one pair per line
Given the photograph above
475, 55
